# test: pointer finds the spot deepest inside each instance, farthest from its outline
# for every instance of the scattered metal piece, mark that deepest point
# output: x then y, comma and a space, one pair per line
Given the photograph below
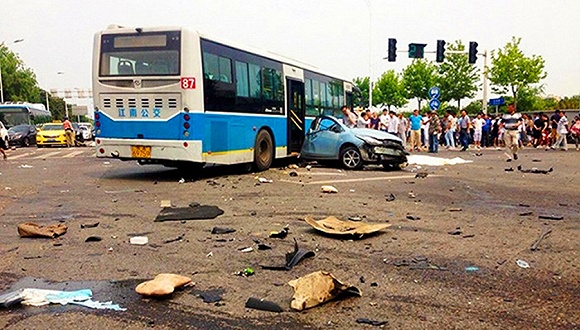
209, 296
551, 217
171, 240
509, 169
523, 214
89, 225
524, 205
421, 175
292, 258
522, 264
455, 209
280, 234
264, 305
222, 230
371, 322
195, 211
390, 198
456, 231
543, 235
413, 217
93, 239
535, 170
469, 236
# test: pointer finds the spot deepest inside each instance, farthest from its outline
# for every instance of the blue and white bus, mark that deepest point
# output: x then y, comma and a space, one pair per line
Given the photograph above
17, 113
174, 97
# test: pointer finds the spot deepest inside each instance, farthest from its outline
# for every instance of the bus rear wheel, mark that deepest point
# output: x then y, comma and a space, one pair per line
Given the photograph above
263, 151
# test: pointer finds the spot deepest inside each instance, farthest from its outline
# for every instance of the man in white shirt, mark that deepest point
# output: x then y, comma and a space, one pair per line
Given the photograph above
562, 131
348, 118
477, 129
384, 120
363, 120
393, 125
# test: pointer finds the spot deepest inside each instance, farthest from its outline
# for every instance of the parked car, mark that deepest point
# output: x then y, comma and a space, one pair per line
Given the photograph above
328, 139
22, 135
3, 133
51, 134
79, 138
87, 131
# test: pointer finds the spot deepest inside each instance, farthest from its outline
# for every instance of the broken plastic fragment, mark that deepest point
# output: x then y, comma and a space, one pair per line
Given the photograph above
292, 258
263, 305
264, 180
280, 234
522, 264
371, 322
194, 211
329, 189
139, 240
222, 230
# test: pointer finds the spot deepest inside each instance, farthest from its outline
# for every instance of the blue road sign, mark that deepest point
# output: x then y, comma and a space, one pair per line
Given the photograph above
434, 104
434, 92
498, 101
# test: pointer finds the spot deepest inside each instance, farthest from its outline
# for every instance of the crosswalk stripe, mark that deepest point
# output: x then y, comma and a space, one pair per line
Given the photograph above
47, 155
21, 155
74, 153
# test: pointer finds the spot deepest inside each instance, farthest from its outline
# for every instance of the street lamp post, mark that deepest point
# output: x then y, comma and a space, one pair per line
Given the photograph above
370, 7
1, 85
64, 99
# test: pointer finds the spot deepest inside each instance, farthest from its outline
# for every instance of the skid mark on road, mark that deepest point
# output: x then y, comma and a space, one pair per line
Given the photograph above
355, 180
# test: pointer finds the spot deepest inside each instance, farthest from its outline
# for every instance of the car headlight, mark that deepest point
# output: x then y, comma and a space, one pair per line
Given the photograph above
15, 136
370, 140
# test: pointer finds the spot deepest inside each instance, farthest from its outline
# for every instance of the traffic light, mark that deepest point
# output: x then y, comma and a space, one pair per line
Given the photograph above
440, 57
472, 52
416, 50
392, 49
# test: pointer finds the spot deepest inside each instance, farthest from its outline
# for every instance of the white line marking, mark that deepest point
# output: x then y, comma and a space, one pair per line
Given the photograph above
21, 155
74, 153
356, 180
47, 155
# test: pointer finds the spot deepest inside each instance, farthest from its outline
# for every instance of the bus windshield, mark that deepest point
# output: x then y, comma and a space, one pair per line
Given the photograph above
143, 54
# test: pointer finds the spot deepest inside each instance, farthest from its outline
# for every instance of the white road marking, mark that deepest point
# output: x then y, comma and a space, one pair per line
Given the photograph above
54, 153
356, 180
74, 153
21, 155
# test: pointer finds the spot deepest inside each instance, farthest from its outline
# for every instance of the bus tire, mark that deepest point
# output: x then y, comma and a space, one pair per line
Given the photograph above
263, 151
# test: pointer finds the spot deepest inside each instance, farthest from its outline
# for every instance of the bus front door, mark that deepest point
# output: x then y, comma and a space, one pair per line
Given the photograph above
295, 113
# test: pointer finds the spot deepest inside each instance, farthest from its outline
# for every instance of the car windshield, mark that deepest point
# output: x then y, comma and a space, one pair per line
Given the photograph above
52, 127
18, 129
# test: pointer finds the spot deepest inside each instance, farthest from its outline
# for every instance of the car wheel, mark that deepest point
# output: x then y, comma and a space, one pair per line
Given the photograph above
263, 151
351, 158
25, 142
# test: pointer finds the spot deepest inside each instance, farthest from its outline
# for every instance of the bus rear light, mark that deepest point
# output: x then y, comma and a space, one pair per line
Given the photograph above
98, 141
186, 117
185, 144
97, 116
101, 150
186, 125
98, 124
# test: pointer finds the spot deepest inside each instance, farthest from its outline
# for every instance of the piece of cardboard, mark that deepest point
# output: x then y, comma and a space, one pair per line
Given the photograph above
317, 288
334, 226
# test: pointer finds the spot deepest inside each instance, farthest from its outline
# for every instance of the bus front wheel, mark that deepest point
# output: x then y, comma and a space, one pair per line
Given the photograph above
263, 151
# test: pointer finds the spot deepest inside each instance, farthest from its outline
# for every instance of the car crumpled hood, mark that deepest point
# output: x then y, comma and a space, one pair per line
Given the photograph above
379, 135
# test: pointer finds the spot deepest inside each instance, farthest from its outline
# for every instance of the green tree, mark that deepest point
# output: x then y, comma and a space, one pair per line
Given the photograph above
457, 78
474, 107
569, 103
389, 90
511, 70
363, 86
418, 77
19, 82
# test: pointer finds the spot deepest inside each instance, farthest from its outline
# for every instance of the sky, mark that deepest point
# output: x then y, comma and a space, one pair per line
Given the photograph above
345, 37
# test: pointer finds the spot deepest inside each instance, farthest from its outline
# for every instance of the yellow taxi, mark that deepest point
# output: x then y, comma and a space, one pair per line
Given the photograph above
51, 134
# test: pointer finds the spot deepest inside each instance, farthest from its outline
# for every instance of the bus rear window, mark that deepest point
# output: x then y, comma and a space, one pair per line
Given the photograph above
153, 54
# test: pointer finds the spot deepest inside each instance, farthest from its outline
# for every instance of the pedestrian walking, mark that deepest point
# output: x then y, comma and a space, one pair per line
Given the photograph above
403, 127
562, 132
434, 131
68, 132
511, 122
415, 122
575, 131
450, 131
464, 125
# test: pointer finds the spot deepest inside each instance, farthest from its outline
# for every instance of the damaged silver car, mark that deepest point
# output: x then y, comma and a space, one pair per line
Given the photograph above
328, 140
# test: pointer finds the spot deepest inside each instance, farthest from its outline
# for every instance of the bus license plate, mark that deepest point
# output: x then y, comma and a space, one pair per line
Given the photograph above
140, 151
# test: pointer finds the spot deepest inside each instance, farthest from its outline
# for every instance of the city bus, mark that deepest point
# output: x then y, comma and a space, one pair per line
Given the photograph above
12, 114
174, 97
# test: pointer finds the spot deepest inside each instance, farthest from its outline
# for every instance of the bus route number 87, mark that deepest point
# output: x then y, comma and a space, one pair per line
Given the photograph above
187, 82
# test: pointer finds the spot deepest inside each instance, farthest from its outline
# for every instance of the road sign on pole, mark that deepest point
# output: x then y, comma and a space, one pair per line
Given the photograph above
434, 104
498, 101
434, 92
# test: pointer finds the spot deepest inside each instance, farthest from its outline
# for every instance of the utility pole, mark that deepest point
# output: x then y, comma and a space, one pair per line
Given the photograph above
369, 5
484, 101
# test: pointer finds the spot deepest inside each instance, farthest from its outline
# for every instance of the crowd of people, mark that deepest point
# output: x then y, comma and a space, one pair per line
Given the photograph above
511, 130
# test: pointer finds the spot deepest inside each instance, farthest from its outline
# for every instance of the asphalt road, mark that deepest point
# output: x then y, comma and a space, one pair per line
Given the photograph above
414, 274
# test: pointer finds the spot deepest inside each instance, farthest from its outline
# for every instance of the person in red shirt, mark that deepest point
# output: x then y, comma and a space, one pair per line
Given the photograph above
68, 132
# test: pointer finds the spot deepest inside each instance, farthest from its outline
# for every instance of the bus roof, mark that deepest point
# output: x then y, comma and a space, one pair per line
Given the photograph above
115, 29
35, 108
